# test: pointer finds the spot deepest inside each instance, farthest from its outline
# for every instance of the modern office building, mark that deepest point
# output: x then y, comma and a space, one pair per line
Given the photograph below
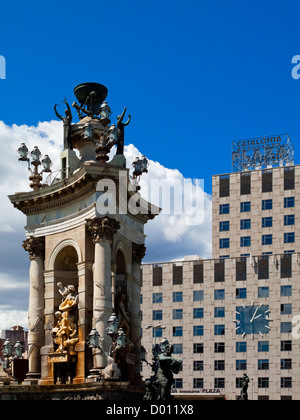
238, 312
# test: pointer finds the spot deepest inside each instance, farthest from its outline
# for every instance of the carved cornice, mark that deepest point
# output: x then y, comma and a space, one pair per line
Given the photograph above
102, 228
138, 253
35, 247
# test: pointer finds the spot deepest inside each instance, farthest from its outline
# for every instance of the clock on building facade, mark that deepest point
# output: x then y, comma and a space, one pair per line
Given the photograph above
253, 320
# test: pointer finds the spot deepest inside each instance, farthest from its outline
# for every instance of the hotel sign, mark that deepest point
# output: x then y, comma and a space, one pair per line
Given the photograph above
262, 153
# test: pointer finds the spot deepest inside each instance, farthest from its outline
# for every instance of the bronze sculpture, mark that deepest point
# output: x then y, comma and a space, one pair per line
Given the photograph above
121, 132
245, 385
67, 120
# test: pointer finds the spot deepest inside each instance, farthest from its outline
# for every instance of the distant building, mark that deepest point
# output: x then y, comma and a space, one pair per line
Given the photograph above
237, 313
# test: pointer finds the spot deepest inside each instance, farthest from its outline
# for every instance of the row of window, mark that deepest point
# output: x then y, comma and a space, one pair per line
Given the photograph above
261, 266
267, 222
245, 241
198, 330
198, 296
266, 182
263, 364
220, 383
241, 347
289, 202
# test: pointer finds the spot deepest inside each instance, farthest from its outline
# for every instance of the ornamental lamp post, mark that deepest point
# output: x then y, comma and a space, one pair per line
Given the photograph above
18, 350
94, 340
35, 155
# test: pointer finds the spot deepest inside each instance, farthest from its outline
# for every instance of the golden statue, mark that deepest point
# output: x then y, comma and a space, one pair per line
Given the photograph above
65, 333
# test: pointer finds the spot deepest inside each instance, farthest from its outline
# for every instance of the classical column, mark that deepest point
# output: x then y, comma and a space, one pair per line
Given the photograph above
36, 249
102, 231
138, 253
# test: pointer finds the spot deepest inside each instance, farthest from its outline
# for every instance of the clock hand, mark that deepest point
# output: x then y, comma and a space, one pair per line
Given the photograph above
257, 317
254, 315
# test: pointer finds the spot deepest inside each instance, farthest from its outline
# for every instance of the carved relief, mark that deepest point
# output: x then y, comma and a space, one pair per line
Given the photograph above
35, 247
103, 228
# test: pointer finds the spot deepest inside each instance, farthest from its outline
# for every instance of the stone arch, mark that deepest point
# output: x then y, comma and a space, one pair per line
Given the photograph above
64, 244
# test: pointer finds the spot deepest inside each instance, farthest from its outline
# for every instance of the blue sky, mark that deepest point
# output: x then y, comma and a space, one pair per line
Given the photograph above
194, 75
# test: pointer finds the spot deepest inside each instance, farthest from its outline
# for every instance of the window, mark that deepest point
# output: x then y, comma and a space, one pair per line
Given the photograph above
157, 315
241, 293
245, 224
267, 204
241, 269
177, 297
241, 365
224, 226
267, 181
219, 348
198, 348
263, 364
224, 243
178, 348
157, 297
177, 313
263, 382
286, 266
178, 383
286, 345
219, 329
198, 295
198, 273
263, 346
224, 186
245, 241
220, 312
289, 202
219, 365
198, 330
289, 220
157, 332
241, 347
263, 268
286, 291
286, 327
245, 206
177, 331
219, 271
224, 208
157, 275
198, 313
286, 308
263, 292
289, 238
286, 364
245, 184
219, 383
267, 239
289, 179
198, 366
198, 383
177, 275
267, 222
220, 294
286, 382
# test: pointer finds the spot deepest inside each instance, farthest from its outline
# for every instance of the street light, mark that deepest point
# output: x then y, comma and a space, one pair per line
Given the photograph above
36, 156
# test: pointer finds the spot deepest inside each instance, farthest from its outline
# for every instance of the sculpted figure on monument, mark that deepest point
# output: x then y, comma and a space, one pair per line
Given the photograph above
67, 120
121, 132
65, 334
245, 385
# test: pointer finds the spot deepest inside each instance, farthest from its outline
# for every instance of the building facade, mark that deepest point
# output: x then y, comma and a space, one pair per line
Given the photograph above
238, 312
256, 212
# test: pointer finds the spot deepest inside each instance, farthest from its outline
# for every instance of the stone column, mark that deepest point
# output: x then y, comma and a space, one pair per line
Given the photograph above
102, 231
138, 253
36, 249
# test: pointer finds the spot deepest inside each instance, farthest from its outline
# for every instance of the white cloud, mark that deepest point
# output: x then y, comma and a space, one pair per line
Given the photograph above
169, 236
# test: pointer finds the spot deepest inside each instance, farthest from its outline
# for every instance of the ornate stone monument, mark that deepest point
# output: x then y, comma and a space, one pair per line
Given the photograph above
85, 248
